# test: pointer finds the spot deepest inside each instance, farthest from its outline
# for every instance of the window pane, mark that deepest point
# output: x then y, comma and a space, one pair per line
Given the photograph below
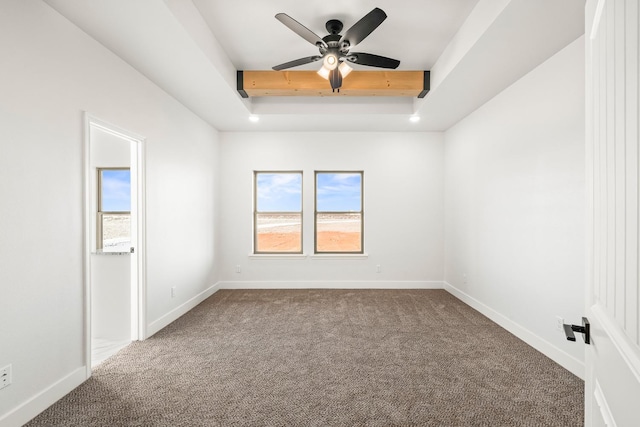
278, 192
339, 232
116, 232
279, 232
116, 190
338, 192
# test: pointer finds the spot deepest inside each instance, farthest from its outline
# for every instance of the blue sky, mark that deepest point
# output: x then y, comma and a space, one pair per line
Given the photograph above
339, 192
116, 190
279, 192
282, 192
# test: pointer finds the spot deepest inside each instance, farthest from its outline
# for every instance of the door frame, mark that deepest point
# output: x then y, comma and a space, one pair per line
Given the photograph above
138, 270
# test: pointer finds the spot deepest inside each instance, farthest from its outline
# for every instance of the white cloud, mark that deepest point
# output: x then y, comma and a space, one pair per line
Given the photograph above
279, 191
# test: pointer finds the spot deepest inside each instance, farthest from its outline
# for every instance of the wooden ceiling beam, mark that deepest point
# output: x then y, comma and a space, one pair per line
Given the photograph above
357, 83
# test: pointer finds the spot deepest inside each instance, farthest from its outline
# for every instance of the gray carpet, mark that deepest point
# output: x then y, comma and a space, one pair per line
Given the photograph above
326, 358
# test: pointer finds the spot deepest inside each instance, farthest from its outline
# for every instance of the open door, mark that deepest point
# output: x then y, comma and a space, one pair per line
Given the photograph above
612, 377
114, 240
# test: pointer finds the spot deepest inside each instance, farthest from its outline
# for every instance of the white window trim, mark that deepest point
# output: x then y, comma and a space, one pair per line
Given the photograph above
278, 256
338, 256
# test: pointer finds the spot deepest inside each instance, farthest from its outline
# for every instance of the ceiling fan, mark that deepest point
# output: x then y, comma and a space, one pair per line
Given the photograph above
334, 48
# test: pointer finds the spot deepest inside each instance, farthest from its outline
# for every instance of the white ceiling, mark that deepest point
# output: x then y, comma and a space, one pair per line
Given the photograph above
192, 49
415, 32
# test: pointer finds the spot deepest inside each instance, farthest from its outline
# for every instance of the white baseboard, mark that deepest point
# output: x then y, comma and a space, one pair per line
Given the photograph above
332, 284
565, 360
25, 412
182, 309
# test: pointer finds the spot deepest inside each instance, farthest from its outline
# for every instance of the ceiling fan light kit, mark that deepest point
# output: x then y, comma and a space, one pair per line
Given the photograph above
345, 69
330, 62
324, 73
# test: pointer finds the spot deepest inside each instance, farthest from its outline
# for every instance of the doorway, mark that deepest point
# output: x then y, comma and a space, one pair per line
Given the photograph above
114, 240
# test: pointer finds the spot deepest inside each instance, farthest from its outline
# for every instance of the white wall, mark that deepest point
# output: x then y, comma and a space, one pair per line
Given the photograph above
403, 202
51, 72
515, 202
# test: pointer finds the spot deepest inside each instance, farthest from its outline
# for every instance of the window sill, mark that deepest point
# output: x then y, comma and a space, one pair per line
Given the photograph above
277, 256
305, 256
339, 256
101, 252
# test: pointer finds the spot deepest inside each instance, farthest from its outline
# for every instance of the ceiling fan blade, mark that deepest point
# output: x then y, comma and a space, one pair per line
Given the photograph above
372, 60
297, 62
364, 27
300, 29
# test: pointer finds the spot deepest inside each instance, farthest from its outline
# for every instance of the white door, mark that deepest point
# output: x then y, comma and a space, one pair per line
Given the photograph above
612, 380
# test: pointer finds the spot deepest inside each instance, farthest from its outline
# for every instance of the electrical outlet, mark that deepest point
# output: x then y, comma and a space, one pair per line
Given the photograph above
464, 278
238, 270
173, 292
5, 377
378, 268
559, 323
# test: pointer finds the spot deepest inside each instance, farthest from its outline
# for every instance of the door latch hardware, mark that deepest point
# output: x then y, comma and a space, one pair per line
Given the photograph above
584, 329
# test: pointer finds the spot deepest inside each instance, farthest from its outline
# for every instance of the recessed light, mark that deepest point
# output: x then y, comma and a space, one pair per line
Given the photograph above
414, 119
254, 119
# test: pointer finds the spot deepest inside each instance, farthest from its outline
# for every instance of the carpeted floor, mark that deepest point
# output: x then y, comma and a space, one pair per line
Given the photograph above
326, 358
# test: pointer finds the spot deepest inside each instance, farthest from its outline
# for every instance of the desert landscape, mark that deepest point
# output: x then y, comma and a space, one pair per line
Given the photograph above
281, 233
276, 233
116, 233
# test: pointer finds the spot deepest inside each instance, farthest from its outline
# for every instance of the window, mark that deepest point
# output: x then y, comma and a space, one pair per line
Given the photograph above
277, 212
114, 209
339, 215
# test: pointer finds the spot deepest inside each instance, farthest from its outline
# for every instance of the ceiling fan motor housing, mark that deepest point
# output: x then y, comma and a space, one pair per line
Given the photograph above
332, 40
333, 26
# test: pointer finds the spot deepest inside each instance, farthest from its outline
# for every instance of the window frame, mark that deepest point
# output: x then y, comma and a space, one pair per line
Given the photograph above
99, 212
315, 212
256, 212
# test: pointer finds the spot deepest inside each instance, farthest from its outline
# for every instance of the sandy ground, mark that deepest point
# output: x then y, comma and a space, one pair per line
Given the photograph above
337, 241
116, 230
328, 241
279, 242
281, 233
274, 234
